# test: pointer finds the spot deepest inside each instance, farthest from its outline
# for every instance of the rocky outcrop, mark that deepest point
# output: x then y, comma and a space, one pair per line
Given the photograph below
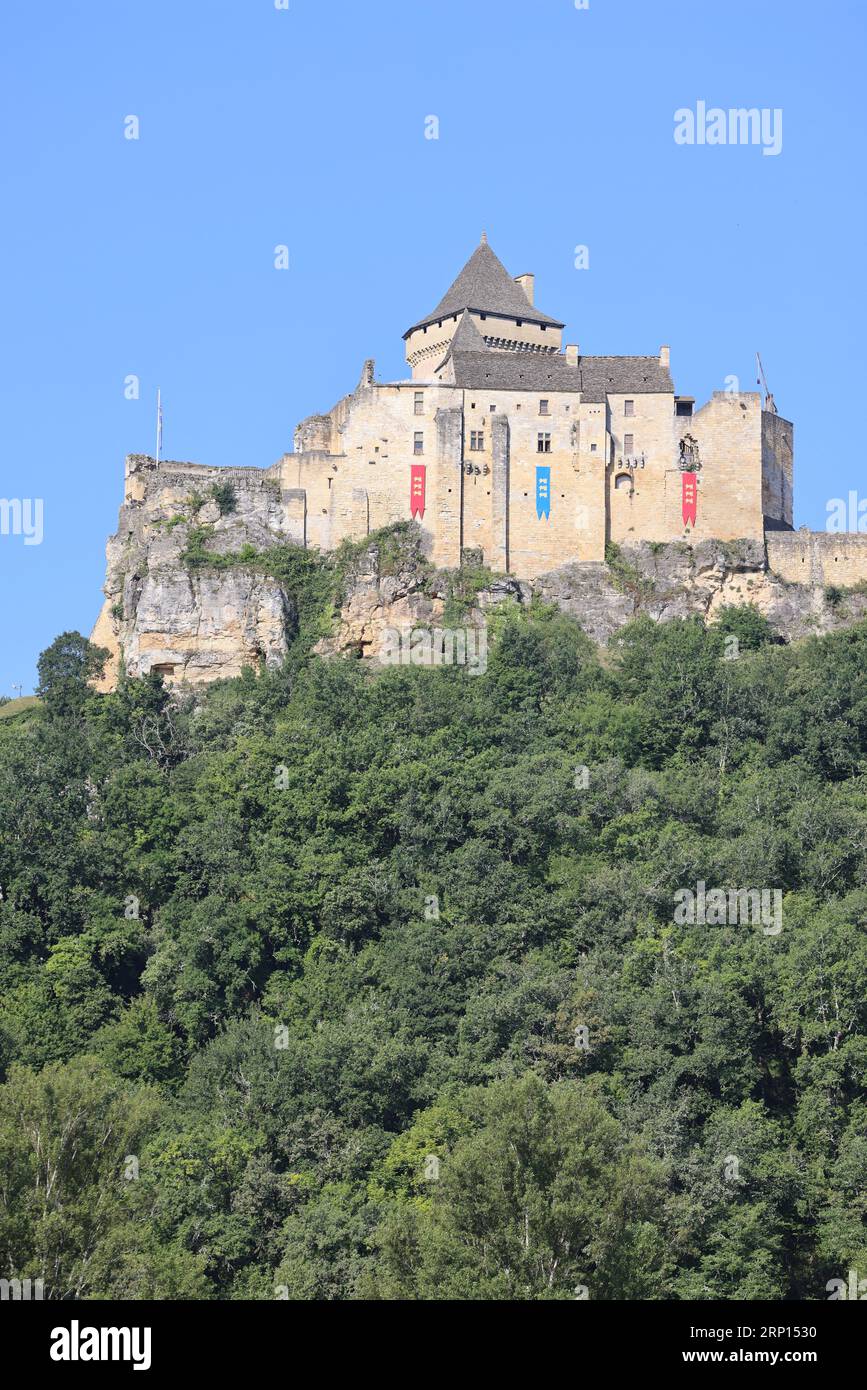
679, 581
193, 623
374, 604
661, 581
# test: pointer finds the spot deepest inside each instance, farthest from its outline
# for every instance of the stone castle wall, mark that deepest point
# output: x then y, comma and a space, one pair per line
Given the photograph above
615, 470
818, 557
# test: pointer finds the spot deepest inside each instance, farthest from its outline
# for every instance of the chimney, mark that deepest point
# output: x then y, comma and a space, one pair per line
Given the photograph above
571, 354
526, 282
665, 357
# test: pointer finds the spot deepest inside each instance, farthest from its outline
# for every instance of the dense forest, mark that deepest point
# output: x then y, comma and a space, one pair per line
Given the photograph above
336, 982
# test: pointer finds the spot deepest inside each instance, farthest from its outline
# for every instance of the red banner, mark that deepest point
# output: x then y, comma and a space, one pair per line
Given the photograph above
416, 489
690, 498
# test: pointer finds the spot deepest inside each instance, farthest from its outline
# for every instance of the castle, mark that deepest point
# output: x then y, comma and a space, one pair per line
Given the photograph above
505, 447
505, 443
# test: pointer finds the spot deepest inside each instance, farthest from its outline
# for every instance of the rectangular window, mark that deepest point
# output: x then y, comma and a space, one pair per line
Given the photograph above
418, 403
477, 439
593, 448
543, 408
629, 444
543, 443
629, 407
418, 442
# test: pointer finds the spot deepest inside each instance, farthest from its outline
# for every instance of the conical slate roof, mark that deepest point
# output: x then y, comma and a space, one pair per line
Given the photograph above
486, 286
467, 337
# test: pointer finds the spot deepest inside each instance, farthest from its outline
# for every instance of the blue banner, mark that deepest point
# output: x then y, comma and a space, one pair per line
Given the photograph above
543, 489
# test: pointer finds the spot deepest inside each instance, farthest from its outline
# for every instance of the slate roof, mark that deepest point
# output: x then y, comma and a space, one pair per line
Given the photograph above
485, 285
467, 338
594, 377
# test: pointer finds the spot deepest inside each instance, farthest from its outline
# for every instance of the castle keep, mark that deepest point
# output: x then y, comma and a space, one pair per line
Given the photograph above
505, 446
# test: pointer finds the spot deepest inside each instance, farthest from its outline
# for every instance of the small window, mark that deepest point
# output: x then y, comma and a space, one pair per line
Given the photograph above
477, 439
492, 408
622, 480
418, 403
593, 448
629, 407
418, 442
543, 408
629, 444
543, 443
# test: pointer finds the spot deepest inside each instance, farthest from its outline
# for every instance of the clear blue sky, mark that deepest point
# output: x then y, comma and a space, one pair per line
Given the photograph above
305, 126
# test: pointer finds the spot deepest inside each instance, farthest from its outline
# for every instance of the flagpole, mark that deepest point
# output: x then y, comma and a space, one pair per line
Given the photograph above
159, 424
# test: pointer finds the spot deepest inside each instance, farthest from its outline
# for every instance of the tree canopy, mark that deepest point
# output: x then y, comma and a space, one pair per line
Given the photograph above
338, 984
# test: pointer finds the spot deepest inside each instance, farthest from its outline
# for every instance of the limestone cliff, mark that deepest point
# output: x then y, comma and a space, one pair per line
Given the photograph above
188, 593
193, 621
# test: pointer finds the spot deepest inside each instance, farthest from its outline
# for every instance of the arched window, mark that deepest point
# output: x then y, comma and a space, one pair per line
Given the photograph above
623, 480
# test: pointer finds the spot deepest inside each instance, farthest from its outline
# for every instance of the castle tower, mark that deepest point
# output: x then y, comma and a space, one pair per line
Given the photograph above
501, 308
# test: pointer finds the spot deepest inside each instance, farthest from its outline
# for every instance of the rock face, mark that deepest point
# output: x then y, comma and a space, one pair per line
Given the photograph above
192, 624
661, 581
375, 605
168, 607
678, 581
